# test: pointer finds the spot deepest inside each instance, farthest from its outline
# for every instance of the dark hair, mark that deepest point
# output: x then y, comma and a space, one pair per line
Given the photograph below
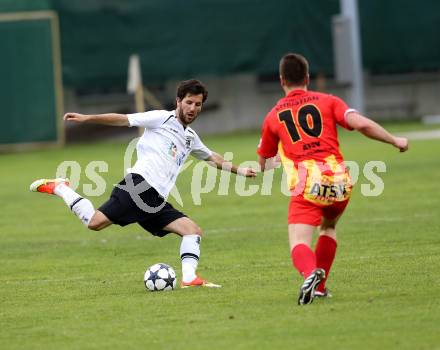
192, 87
294, 69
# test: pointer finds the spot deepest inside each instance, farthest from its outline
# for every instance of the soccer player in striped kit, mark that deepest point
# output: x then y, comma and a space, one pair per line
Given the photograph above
301, 129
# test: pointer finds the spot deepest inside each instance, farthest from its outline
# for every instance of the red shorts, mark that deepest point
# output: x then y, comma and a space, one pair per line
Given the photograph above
302, 211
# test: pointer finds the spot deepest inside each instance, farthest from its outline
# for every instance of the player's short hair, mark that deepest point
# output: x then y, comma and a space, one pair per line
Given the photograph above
294, 69
192, 87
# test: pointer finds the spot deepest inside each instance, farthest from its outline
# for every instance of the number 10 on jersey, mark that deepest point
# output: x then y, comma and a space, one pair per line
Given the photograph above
309, 120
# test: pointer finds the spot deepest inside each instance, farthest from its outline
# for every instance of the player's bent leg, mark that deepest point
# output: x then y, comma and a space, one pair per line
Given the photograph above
80, 206
325, 251
300, 239
184, 226
328, 227
99, 221
300, 234
189, 251
304, 260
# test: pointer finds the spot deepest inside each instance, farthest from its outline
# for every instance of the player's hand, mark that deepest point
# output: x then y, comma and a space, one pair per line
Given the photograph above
401, 143
75, 117
248, 172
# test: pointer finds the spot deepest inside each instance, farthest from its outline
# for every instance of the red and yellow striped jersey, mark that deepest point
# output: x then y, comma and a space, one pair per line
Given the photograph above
302, 128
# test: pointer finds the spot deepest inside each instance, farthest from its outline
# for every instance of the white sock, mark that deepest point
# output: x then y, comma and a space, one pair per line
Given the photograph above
190, 254
81, 207
66, 193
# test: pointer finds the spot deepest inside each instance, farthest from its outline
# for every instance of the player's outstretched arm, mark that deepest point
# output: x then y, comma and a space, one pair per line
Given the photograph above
220, 163
113, 119
374, 131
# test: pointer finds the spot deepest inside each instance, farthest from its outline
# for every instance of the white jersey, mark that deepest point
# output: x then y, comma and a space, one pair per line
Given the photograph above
163, 148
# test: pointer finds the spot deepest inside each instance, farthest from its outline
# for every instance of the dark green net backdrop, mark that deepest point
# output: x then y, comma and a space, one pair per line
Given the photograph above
180, 39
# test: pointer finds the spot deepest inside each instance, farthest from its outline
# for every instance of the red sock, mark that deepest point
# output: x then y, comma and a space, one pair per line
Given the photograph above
303, 259
325, 252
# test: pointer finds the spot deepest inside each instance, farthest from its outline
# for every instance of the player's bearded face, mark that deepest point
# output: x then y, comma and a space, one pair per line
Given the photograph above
189, 107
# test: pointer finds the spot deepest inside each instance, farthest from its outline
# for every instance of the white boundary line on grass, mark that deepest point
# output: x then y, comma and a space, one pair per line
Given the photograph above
422, 135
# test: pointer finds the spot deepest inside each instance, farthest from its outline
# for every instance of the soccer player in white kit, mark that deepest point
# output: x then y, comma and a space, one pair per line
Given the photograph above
141, 196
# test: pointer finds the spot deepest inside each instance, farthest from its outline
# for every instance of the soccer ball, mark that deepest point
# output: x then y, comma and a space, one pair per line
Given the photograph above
160, 277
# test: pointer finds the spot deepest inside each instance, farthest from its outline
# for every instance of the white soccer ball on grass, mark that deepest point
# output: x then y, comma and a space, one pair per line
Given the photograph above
160, 277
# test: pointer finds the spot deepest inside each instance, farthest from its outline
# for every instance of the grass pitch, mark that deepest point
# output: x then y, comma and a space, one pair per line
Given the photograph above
64, 287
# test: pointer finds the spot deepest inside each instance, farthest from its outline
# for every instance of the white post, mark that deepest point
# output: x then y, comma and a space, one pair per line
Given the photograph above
134, 82
135, 86
349, 9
